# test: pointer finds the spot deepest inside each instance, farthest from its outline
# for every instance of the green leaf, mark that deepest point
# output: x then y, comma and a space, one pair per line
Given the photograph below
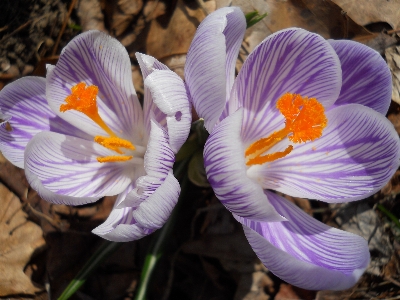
253, 18
188, 148
105, 250
391, 216
158, 244
196, 171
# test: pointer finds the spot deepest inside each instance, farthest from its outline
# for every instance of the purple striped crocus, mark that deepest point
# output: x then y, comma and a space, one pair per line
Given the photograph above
304, 117
81, 134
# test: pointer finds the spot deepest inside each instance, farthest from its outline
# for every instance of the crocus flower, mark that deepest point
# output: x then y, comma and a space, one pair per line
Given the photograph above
82, 134
304, 117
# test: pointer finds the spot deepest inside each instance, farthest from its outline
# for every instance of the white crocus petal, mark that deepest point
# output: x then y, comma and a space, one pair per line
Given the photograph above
289, 61
147, 65
25, 100
147, 206
120, 225
155, 210
305, 252
210, 63
95, 58
4, 118
68, 165
366, 77
225, 166
356, 156
158, 162
169, 94
52, 197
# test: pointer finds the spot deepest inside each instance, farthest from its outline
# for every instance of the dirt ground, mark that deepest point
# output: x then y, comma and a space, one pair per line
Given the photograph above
207, 256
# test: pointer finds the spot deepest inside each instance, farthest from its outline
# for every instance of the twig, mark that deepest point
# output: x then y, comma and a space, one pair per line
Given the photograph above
21, 27
71, 7
16, 31
41, 215
393, 31
394, 281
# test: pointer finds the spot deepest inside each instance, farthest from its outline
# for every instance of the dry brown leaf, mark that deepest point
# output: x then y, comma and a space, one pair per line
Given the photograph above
393, 59
13, 177
377, 41
365, 12
331, 16
90, 15
121, 13
324, 18
19, 239
172, 36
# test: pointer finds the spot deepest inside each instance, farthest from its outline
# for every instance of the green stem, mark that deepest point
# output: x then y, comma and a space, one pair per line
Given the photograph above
158, 243
106, 249
388, 214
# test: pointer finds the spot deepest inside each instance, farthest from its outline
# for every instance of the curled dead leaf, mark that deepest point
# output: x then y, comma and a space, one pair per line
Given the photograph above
19, 239
393, 59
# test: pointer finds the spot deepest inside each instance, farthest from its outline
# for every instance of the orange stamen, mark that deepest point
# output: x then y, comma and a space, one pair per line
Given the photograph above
114, 143
114, 158
83, 99
305, 121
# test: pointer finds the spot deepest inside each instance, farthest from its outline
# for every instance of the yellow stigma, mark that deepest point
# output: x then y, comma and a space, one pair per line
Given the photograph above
83, 99
304, 121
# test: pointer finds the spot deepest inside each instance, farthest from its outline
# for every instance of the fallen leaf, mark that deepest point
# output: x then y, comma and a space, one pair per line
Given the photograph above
377, 41
13, 177
121, 14
172, 35
91, 15
19, 239
365, 12
393, 59
322, 17
361, 219
255, 286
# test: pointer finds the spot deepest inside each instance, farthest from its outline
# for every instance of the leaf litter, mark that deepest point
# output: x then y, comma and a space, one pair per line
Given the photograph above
210, 258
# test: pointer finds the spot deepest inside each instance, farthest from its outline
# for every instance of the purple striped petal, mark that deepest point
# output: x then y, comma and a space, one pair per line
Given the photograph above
154, 211
4, 118
147, 65
25, 101
305, 252
211, 60
49, 196
169, 94
97, 59
366, 76
224, 162
158, 162
356, 156
128, 223
120, 225
289, 61
67, 165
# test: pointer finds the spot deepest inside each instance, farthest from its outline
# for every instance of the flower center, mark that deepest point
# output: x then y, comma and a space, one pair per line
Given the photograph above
83, 99
305, 121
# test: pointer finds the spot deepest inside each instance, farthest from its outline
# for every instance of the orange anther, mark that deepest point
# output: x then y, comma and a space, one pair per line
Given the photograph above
114, 143
114, 158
